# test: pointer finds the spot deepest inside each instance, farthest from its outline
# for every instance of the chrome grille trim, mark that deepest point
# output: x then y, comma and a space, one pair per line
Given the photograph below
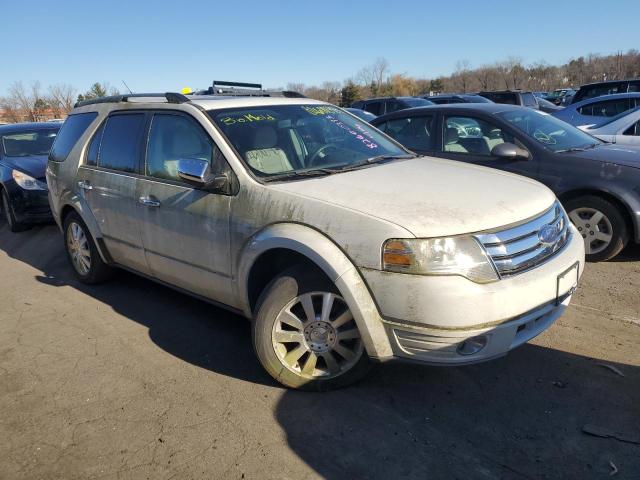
519, 248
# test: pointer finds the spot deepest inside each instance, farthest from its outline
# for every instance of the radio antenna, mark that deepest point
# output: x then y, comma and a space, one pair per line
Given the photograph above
127, 86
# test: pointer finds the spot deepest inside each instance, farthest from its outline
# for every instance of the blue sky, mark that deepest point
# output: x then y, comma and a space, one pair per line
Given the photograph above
159, 46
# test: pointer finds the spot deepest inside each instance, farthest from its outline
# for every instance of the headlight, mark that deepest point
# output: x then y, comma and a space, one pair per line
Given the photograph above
439, 256
27, 182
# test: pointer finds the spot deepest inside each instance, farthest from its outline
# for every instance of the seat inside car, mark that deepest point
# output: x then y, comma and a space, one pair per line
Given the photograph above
264, 155
451, 141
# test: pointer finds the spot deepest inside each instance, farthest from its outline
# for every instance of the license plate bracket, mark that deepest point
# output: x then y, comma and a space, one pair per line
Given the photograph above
567, 283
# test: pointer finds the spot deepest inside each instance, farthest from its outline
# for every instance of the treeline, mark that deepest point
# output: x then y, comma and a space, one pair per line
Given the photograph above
377, 79
34, 104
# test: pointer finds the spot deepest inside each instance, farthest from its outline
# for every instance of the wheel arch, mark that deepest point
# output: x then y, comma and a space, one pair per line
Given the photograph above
282, 245
610, 196
76, 206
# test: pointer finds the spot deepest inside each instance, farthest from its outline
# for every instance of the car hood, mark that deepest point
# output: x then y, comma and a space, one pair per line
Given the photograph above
618, 154
431, 197
34, 165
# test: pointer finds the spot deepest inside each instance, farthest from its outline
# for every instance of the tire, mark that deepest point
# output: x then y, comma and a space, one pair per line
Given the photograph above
9, 216
601, 224
316, 355
82, 252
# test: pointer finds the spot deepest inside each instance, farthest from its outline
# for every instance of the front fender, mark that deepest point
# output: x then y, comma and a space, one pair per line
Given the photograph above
79, 204
334, 263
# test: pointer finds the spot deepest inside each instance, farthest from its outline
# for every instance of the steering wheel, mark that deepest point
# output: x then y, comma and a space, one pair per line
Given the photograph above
316, 156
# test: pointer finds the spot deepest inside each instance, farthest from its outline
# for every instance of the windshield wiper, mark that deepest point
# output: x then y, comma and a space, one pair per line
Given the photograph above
371, 161
578, 149
318, 172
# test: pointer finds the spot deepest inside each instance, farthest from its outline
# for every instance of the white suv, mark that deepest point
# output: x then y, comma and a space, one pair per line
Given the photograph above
340, 245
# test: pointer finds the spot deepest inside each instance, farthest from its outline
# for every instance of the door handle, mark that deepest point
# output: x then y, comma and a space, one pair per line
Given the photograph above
84, 185
148, 202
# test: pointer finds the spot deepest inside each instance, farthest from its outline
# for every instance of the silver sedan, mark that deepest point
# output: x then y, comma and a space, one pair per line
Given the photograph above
623, 128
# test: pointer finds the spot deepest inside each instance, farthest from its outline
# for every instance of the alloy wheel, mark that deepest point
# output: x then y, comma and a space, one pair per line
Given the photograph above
594, 226
78, 247
315, 336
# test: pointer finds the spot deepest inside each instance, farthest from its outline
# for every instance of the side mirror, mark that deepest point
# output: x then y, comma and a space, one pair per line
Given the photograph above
198, 173
509, 151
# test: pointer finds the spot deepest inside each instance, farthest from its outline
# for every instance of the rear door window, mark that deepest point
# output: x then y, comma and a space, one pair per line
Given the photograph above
120, 145
415, 133
528, 100
373, 107
71, 131
607, 108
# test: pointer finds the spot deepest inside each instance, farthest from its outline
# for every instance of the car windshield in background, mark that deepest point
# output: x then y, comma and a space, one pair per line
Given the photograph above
28, 143
283, 140
417, 102
554, 134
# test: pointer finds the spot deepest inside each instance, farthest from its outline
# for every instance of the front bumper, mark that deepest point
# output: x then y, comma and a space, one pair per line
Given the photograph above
30, 206
426, 318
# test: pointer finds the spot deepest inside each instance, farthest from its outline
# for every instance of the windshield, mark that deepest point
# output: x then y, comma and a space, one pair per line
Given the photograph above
285, 139
554, 134
417, 102
28, 143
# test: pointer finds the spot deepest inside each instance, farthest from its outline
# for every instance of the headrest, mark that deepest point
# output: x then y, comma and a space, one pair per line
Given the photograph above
451, 135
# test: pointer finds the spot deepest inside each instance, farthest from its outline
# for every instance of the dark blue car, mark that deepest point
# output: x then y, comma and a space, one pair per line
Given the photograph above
24, 148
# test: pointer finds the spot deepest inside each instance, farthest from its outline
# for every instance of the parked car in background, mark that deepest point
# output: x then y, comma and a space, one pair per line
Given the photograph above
24, 148
622, 129
512, 97
362, 114
547, 106
596, 182
335, 240
444, 98
560, 96
380, 106
598, 109
600, 89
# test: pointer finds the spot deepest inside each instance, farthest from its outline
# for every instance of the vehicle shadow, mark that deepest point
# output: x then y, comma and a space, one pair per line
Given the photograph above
630, 254
517, 417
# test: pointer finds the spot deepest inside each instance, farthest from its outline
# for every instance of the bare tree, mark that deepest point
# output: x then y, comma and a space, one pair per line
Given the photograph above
374, 76
463, 74
61, 98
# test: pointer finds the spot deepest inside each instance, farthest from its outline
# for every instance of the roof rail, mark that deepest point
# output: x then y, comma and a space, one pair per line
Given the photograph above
243, 89
170, 97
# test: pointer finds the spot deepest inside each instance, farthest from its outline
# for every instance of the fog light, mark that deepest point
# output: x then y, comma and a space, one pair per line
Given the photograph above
472, 345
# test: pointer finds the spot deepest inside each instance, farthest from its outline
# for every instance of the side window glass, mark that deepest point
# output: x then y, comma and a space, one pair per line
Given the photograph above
392, 106
608, 108
633, 130
94, 147
119, 149
415, 133
528, 100
382, 127
472, 135
71, 131
174, 137
373, 107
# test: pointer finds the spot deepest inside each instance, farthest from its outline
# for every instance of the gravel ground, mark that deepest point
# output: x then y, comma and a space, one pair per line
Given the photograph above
133, 380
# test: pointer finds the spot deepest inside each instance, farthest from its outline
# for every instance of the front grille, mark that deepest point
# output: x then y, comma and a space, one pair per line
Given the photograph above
520, 248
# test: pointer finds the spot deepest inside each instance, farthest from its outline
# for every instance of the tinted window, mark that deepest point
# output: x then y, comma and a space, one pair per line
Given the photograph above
415, 133
528, 100
28, 142
373, 107
502, 97
392, 106
598, 90
634, 87
607, 108
94, 147
173, 137
119, 149
72, 129
416, 102
633, 130
439, 101
472, 135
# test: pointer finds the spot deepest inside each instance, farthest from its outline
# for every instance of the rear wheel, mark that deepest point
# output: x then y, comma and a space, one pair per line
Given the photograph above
9, 216
305, 335
82, 252
601, 225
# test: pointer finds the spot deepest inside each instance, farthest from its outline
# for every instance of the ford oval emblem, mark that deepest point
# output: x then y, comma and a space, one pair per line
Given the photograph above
548, 234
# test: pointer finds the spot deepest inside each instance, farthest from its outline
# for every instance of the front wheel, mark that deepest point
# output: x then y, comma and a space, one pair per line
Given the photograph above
305, 335
9, 216
601, 225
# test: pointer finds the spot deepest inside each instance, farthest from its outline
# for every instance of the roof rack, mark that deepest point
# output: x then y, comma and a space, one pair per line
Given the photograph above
170, 97
243, 89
